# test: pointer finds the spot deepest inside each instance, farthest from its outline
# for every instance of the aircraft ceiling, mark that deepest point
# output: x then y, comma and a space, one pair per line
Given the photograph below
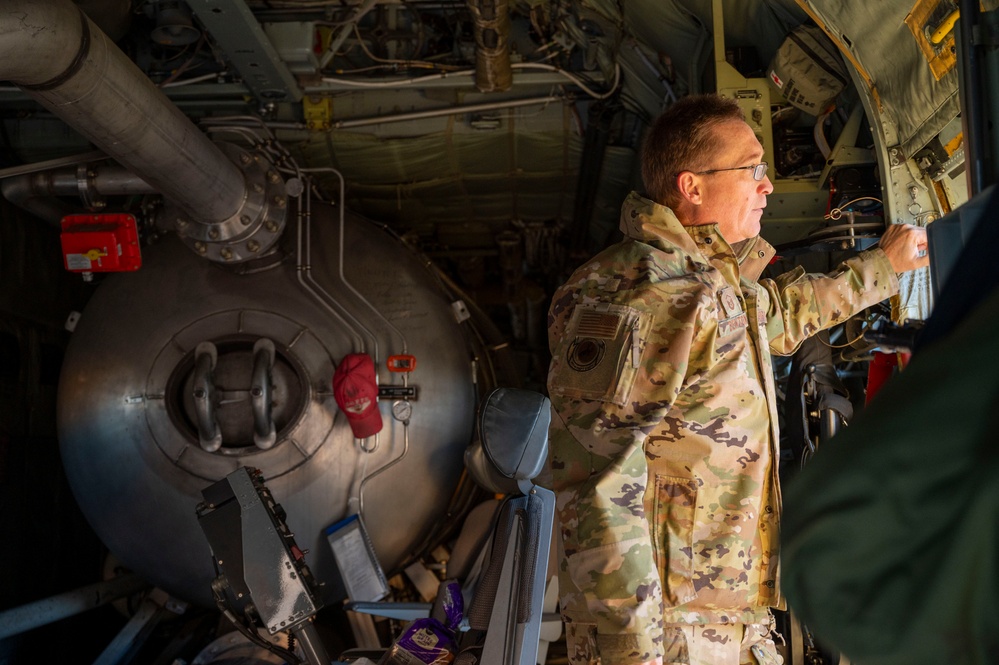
398, 111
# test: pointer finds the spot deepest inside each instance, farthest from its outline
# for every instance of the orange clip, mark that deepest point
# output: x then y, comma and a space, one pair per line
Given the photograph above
401, 363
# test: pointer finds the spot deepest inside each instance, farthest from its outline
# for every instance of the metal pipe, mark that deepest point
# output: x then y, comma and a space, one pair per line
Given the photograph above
303, 264
34, 192
62, 60
29, 193
310, 643
21, 619
71, 160
113, 17
491, 27
451, 110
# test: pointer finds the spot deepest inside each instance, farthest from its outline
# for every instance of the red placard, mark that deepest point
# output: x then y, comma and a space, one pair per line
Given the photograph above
100, 243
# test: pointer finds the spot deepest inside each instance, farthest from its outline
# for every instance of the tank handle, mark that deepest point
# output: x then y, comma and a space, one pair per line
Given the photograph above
264, 434
209, 434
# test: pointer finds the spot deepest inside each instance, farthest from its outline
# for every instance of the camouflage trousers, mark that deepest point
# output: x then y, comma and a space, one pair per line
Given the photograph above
720, 644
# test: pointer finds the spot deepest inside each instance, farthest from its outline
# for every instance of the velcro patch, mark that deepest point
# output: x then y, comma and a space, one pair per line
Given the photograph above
599, 354
729, 302
731, 325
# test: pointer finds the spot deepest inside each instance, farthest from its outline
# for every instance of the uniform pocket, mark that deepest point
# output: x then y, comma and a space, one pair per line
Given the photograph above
673, 537
581, 643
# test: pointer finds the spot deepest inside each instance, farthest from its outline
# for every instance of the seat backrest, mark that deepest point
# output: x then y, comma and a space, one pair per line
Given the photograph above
513, 440
513, 425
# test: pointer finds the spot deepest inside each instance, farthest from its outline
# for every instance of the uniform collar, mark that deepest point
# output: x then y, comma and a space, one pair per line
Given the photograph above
657, 225
755, 257
645, 220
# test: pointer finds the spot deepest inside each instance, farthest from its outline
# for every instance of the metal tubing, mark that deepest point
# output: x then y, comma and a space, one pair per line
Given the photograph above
31, 193
310, 643
451, 110
491, 28
133, 635
113, 16
303, 258
21, 619
63, 61
35, 192
48, 164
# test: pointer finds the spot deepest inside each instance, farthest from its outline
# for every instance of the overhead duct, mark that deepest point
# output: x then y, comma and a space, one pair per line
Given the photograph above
63, 61
112, 16
492, 44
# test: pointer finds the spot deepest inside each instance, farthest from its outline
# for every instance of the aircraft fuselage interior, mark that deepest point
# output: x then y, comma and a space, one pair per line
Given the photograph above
209, 205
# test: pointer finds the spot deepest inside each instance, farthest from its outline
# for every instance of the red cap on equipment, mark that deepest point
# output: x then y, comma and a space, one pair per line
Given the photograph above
356, 393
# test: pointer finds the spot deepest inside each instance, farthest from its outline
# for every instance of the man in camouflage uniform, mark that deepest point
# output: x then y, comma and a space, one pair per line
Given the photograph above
664, 443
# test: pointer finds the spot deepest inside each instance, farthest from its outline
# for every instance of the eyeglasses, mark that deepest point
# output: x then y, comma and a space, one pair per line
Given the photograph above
759, 170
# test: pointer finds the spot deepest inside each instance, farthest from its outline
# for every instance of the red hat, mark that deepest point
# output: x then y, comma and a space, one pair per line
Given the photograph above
356, 393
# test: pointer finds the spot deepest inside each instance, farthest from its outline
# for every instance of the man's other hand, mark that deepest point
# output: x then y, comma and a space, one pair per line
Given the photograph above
905, 246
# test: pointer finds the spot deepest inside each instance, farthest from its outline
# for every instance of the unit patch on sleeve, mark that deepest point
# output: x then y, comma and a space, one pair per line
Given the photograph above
599, 354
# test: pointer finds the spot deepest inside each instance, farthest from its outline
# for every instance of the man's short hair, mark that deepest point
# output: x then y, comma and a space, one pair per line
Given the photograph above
681, 140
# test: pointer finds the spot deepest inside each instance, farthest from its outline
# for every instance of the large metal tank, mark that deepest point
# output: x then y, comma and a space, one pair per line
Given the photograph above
128, 420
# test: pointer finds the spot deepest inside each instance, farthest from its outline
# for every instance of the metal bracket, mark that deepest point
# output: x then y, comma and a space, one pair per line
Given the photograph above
318, 112
238, 33
895, 156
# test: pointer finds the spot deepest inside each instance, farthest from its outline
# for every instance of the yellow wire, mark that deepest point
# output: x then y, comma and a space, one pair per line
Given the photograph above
851, 342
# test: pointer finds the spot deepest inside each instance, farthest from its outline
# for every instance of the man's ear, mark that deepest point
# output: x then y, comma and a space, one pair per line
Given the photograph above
690, 187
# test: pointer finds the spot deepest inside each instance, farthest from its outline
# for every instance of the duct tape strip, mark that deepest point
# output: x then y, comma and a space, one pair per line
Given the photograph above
75, 66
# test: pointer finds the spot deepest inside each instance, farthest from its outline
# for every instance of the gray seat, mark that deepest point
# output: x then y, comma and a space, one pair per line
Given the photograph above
504, 615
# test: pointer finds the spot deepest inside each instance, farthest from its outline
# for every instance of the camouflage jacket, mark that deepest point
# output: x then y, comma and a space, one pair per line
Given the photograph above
664, 426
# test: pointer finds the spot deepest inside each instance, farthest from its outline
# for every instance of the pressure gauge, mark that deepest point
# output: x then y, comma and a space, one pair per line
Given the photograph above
402, 410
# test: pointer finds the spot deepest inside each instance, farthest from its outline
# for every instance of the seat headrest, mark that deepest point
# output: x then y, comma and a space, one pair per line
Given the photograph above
513, 427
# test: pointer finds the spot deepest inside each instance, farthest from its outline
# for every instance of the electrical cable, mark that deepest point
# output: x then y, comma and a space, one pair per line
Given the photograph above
837, 212
420, 64
578, 82
851, 342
